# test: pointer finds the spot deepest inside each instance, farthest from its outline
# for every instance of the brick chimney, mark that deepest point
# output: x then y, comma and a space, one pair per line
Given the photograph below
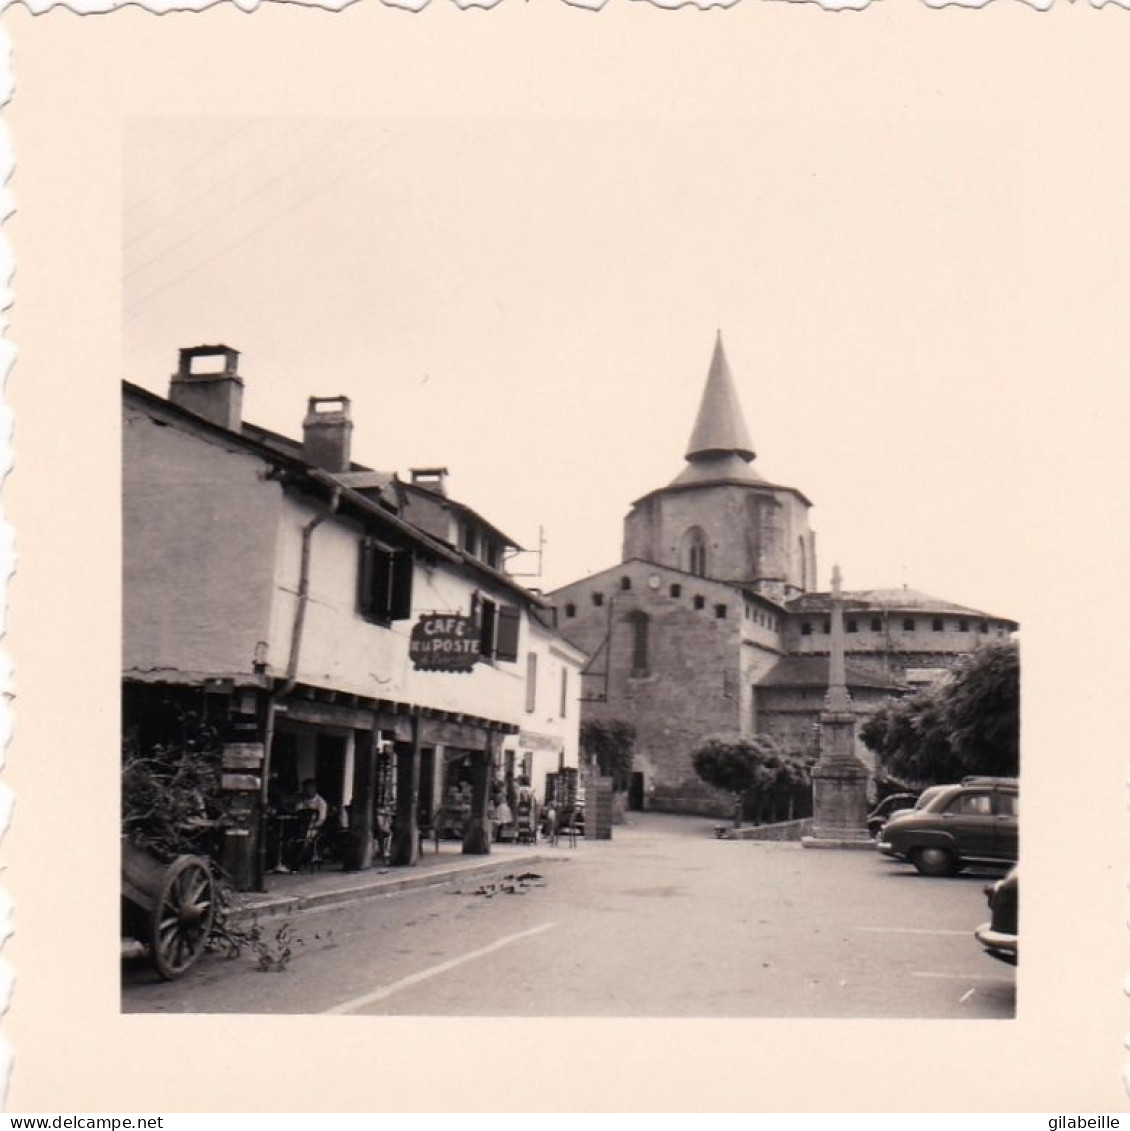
430, 478
327, 433
207, 382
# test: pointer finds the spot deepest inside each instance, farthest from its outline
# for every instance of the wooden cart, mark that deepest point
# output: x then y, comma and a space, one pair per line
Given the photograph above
168, 908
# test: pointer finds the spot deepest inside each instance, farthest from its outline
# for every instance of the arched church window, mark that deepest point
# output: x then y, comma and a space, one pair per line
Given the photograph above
638, 624
694, 551
803, 563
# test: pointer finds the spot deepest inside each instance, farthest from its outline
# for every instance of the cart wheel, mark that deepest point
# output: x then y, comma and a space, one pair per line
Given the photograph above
183, 915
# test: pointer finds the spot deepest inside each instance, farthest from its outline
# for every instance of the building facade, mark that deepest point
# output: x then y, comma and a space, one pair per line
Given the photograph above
327, 621
711, 625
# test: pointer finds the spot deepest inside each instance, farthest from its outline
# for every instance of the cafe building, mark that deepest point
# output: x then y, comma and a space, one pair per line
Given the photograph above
316, 619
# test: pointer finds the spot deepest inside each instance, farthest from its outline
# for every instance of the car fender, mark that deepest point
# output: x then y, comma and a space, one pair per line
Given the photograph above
905, 841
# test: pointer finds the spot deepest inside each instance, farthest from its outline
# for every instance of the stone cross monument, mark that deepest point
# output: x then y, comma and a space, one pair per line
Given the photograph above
839, 779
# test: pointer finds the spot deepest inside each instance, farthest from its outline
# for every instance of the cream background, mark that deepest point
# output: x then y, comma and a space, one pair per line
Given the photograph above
1052, 82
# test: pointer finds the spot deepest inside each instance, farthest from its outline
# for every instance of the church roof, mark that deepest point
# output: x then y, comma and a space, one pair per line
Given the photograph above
893, 600
812, 671
720, 427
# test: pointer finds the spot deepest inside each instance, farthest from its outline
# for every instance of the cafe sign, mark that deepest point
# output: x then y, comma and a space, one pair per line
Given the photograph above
444, 642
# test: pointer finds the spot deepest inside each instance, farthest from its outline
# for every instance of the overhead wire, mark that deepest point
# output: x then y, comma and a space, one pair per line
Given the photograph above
168, 248
192, 162
301, 202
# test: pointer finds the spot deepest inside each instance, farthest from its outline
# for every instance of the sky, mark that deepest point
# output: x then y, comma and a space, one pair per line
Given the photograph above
533, 306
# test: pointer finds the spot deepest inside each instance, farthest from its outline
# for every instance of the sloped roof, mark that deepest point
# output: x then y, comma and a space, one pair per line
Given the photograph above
720, 426
261, 442
812, 671
885, 600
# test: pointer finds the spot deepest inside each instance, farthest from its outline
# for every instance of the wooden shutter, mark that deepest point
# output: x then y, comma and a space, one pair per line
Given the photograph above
400, 596
365, 580
531, 681
509, 619
486, 626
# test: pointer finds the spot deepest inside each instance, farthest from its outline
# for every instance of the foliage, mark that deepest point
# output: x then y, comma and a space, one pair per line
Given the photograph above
167, 786
166, 789
967, 725
758, 771
612, 743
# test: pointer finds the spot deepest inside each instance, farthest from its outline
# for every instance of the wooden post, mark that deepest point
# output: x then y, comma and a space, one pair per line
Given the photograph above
364, 796
476, 837
405, 833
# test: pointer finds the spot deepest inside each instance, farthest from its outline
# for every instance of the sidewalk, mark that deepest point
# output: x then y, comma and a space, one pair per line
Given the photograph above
288, 893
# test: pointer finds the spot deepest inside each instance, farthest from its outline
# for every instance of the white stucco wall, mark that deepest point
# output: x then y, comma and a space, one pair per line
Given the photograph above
340, 649
199, 527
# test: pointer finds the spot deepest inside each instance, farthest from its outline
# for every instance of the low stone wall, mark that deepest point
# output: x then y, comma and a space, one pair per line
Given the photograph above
784, 830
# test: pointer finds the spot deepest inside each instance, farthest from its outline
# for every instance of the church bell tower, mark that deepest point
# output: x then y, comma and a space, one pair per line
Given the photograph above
719, 518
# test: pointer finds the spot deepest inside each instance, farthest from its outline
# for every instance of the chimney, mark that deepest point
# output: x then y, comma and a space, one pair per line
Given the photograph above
207, 382
327, 433
430, 478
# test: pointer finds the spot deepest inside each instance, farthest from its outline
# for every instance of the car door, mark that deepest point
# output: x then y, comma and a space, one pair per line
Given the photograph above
968, 818
1006, 843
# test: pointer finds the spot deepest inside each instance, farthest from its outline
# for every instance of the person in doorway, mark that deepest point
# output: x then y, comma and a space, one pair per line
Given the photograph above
312, 799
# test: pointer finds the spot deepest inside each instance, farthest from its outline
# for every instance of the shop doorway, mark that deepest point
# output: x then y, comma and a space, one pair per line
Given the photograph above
329, 768
635, 793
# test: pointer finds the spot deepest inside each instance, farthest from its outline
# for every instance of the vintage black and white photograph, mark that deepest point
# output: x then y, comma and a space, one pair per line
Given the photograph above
489, 651
546, 544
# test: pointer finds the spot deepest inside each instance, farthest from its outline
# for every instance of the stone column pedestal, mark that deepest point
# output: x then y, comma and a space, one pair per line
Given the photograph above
839, 788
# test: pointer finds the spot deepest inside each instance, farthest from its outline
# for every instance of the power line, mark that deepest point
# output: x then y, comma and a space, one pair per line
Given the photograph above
258, 192
262, 227
189, 164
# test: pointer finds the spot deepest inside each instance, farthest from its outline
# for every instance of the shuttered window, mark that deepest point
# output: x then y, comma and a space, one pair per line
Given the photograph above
498, 630
487, 615
506, 644
385, 582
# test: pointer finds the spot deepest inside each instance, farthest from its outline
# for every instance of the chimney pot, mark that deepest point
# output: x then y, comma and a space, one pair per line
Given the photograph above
430, 478
327, 433
207, 383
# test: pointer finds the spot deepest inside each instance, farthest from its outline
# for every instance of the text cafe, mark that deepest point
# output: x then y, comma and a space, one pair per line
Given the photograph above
444, 642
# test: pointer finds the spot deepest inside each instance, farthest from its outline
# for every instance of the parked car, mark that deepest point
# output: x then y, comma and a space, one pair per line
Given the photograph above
923, 799
883, 812
999, 935
961, 824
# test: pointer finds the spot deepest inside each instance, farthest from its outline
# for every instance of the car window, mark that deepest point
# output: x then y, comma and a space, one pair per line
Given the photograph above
979, 804
1007, 804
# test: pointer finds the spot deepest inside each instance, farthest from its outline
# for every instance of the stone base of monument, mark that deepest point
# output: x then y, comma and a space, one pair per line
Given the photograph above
848, 838
839, 805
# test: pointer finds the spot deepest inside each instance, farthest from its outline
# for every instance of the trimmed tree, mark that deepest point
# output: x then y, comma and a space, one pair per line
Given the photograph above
759, 773
968, 725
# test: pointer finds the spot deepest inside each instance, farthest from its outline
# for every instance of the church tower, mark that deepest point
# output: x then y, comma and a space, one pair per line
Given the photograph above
719, 518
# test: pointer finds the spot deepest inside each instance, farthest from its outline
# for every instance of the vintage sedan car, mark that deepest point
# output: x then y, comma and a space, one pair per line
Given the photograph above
999, 935
882, 813
917, 801
974, 822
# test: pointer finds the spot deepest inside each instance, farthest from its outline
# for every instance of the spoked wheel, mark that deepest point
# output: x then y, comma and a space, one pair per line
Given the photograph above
934, 861
183, 916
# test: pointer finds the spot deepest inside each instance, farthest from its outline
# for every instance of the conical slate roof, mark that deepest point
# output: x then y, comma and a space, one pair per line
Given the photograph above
720, 427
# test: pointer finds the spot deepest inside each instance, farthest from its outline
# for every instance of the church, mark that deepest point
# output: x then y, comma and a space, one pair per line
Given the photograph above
712, 625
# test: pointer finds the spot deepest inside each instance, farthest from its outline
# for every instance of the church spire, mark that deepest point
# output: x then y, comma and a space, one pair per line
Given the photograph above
719, 428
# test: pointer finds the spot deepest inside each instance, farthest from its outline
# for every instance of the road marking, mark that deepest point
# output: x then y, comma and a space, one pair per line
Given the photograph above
383, 992
967, 995
960, 977
912, 931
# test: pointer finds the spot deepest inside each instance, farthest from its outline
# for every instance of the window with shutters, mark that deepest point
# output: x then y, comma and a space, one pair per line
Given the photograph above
498, 630
506, 633
385, 582
488, 613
